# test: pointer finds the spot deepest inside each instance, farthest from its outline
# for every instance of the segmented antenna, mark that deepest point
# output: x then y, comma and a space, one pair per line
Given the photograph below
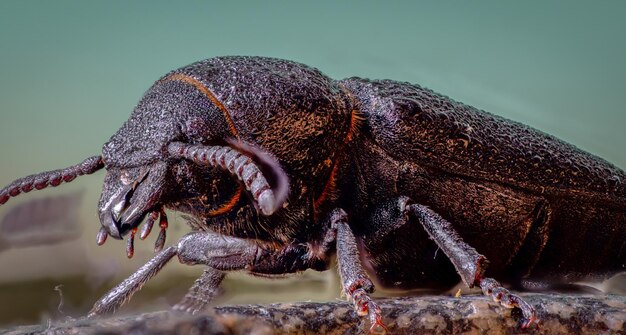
243, 162
50, 178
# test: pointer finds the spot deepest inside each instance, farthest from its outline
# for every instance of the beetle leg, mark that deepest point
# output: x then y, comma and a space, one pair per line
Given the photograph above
221, 253
228, 253
356, 283
499, 294
468, 262
202, 292
224, 253
121, 293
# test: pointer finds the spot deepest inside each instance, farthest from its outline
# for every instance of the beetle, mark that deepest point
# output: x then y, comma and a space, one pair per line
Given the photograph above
279, 168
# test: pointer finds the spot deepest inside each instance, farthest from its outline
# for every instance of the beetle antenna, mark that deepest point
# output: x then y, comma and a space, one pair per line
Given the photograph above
256, 169
50, 178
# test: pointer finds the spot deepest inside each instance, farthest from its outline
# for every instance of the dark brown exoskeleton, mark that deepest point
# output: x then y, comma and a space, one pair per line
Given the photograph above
280, 167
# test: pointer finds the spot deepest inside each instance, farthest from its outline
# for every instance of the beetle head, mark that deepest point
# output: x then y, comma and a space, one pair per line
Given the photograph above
139, 175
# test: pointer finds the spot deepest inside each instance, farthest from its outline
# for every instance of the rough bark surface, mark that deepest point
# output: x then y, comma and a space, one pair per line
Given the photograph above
559, 314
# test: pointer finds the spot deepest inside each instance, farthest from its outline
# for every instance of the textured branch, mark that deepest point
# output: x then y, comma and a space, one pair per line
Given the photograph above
559, 314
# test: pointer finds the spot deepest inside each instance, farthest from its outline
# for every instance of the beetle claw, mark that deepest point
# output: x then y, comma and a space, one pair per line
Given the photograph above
501, 295
366, 307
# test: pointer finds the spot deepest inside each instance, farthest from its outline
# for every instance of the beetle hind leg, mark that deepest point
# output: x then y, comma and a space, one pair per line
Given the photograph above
469, 264
501, 295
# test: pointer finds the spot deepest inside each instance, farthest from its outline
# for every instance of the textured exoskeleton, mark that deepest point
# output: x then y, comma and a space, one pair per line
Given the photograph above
280, 167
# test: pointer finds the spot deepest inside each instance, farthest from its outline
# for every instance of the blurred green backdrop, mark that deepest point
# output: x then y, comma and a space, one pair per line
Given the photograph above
71, 72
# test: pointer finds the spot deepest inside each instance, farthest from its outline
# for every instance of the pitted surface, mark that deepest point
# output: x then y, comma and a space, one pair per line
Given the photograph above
270, 98
438, 131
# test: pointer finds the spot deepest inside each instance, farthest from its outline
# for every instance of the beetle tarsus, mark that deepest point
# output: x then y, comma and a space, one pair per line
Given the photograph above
376, 320
364, 306
505, 298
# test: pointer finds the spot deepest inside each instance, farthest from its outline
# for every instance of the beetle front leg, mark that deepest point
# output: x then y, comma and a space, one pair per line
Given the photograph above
468, 262
356, 283
121, 293
225, 253
220, 253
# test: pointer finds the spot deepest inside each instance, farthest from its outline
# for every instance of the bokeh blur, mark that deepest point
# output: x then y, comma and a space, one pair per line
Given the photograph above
71, 72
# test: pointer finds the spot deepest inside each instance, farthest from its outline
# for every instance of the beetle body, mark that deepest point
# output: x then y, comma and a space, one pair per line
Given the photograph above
534, 205
281, 167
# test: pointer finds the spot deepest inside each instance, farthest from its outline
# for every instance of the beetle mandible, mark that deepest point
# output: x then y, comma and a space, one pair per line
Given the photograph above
280, 167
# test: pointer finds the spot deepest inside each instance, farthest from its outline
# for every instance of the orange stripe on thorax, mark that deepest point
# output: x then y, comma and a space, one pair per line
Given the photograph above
230, 204
225, 208
202, 88
355, 120
328, 188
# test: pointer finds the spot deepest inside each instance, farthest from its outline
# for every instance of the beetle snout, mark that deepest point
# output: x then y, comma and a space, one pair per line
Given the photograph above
122, 211
111, 226
110, 217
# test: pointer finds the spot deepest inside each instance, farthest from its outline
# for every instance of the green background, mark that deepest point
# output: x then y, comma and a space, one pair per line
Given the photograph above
71, 72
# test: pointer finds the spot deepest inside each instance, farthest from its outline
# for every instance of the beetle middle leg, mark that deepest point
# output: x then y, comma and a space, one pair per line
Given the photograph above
203, 291
356, 283
468, 262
